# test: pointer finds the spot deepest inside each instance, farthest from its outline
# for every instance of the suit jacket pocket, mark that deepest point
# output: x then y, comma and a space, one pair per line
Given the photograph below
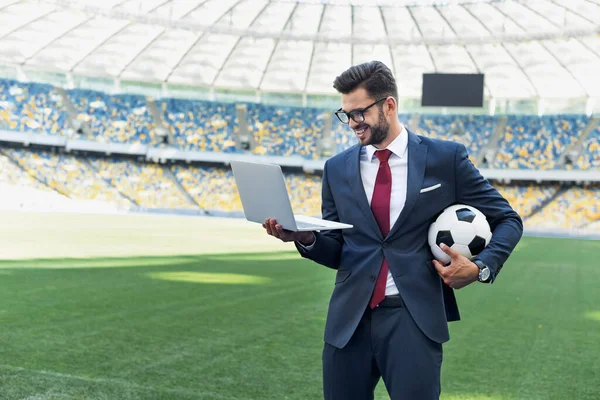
431, 188
342, 275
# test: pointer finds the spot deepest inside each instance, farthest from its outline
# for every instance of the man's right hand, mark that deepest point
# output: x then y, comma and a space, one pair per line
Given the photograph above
276, 230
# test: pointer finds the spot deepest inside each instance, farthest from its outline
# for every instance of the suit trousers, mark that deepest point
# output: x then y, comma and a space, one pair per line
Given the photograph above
386, 344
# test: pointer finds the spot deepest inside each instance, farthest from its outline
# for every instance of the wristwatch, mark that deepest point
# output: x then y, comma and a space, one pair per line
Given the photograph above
484, 271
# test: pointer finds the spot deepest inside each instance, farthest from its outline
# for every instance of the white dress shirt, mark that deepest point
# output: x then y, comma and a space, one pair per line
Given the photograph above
369, 165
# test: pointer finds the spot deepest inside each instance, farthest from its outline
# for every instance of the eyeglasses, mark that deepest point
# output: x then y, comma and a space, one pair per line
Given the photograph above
356, 115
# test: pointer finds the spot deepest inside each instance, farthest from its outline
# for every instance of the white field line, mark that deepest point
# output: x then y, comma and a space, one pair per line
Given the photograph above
113, 381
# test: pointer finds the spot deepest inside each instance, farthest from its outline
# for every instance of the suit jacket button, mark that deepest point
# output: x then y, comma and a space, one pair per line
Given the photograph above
373, 278
385, 245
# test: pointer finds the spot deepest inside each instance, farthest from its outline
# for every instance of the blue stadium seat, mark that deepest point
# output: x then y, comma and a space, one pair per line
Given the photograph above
533, 142
120, 118
32, 107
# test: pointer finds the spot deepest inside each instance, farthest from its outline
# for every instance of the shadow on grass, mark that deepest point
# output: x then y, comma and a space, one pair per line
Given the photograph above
521, 338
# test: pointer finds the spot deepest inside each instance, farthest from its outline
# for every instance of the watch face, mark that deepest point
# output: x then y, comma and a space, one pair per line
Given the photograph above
485, 274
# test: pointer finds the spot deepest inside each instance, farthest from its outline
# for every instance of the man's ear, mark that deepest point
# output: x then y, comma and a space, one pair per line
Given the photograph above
392, 105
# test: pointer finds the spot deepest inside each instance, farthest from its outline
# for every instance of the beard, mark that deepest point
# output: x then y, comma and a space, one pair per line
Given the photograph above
379, 132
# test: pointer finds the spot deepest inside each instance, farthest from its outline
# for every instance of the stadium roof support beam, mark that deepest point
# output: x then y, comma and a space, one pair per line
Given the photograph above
102, 43
138, 53
508, 52
8, 4
94, 48
264, 72
385, 29
58, 38
144, 18
469, 53
202, 36
28, 22
351, 33
581, 84
421, 33
562, 65
591, 50
573, 11
584, 44
518, 64
237, 42
465, 47
314, 46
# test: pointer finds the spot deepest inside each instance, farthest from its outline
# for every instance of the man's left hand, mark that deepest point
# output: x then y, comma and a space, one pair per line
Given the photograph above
460, 272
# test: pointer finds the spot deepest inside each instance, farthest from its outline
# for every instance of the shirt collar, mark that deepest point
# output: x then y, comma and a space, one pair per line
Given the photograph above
397, 147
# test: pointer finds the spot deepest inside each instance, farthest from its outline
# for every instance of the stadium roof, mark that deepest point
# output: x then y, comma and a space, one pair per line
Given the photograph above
528, 49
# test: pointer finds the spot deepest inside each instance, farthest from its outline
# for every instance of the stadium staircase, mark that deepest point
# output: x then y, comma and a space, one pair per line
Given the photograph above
576, 149
88, 164
16, 164
491, 148
539, 208
162, 130
78, 126
168, 173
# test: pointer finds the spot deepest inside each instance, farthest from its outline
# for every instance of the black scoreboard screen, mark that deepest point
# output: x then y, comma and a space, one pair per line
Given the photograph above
452, 90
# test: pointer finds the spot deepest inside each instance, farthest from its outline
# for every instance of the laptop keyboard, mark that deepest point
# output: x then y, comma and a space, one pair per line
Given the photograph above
307, 225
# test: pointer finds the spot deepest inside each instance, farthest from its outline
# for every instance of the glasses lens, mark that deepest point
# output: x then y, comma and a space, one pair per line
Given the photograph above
343, 117
357, 116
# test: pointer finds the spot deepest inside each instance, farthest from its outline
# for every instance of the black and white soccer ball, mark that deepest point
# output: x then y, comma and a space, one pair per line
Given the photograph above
463, 228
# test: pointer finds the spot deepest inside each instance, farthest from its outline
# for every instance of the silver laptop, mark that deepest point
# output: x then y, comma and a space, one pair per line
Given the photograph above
264, 195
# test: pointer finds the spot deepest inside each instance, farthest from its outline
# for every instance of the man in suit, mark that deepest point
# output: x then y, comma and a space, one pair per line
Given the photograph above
391, 303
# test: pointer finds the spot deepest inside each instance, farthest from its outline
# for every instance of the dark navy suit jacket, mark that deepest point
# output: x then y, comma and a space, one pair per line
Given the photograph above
357, 253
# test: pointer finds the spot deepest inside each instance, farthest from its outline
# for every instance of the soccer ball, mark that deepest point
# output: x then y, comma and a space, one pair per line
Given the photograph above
463, 228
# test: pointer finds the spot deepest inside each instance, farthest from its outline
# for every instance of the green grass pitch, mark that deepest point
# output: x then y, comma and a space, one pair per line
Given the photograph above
138, 307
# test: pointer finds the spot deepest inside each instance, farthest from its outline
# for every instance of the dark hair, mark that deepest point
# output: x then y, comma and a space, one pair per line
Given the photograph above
374, 76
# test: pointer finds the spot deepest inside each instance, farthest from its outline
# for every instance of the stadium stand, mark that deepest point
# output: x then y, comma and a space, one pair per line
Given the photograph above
119, 118
32, 107
115, 181
68, 175
305, 193
147, 184
14, 175
342, 136
529, 142
590, 159
471, 130
208, 126
285, 131
212, 188
575, 208
200, 125
532, 142
527, 198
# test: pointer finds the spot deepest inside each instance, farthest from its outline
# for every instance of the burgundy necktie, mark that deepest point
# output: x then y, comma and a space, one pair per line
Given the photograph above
380, 205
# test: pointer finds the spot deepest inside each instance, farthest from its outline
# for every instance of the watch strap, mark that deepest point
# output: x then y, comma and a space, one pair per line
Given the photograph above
481, 266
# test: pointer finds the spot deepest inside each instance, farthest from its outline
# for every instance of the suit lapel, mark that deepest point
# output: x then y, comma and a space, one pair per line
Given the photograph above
417, 159
355, 180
